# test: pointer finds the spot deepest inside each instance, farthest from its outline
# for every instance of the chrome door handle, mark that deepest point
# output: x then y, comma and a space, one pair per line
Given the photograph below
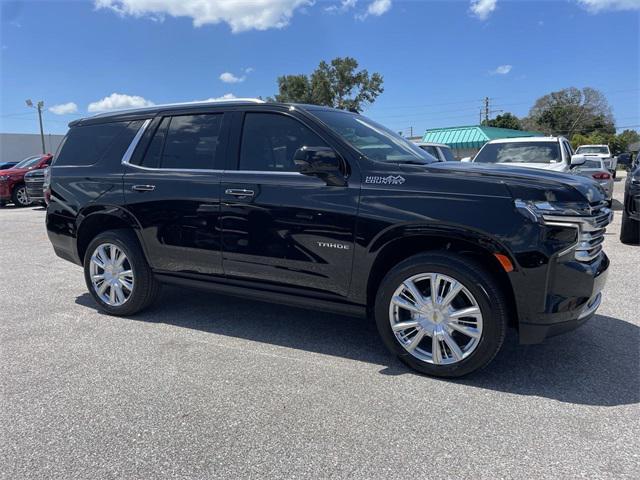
143, 188
239, 192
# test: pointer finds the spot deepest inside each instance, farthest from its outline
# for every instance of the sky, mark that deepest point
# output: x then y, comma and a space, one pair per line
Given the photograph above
439, 59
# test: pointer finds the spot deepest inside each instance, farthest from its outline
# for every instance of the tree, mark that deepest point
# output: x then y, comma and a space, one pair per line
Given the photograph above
570, 111
507, 120
617, 143
337, 84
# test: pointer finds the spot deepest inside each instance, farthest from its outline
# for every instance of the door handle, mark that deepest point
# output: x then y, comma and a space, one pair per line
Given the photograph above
143, 188
239, 192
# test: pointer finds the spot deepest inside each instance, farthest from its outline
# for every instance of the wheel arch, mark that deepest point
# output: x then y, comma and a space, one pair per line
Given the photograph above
474, 245
97, 219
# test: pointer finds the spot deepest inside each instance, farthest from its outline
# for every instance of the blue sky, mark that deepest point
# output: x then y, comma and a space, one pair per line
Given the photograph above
438, 58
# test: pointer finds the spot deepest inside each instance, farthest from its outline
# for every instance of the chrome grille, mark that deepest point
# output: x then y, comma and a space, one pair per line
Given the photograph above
591, 230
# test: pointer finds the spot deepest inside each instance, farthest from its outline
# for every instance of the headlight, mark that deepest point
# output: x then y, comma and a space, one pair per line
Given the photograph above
4, 178
538, 211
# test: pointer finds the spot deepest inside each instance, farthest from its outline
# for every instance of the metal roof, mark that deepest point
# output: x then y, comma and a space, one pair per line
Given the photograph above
472, 136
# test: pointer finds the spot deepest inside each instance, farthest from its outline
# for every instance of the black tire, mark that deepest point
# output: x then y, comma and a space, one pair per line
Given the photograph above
630, 230
146, 287
15, 196
477, 280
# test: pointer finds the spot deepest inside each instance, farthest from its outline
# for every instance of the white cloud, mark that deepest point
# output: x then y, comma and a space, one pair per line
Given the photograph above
375, 8
483, 8
64, 108
343, 6
501, 70
240, 15
226, 96
228, 77
595, 6
119, 101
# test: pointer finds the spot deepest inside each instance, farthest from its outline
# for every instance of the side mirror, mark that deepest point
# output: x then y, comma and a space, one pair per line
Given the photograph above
321, 162
465, 159
577, 160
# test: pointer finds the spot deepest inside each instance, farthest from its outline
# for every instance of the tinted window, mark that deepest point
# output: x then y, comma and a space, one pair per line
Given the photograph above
430, 150
192, 141
519, 152
448, 154
154, 151
269, 142
28, 162
372, 139
87, 145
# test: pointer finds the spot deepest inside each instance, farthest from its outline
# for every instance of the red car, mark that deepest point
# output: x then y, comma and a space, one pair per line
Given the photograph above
12, 188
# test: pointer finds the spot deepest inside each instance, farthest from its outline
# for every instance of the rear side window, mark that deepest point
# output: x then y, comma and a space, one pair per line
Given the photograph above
431, 150
185, 142
448, 154
87, 145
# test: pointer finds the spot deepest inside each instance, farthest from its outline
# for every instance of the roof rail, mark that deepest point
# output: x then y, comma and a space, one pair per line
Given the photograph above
176, 104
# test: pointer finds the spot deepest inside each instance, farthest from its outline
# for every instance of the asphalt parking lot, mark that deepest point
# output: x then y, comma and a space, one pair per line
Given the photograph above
206, 386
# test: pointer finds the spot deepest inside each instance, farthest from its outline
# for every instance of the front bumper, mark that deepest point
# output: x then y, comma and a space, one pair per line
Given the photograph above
574, 295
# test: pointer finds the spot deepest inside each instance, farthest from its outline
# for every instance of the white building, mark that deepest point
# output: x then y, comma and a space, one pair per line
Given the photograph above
16, 146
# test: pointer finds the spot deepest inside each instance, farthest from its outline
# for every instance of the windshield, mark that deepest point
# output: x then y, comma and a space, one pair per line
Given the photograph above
519, 152
584, 150
372, 139
28, 162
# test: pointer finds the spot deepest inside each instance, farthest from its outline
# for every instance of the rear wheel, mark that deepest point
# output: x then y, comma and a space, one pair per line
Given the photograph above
117, 274
442, 314
20, 197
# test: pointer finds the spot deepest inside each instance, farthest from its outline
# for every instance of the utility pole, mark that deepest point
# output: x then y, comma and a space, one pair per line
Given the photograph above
39, 106
486, 110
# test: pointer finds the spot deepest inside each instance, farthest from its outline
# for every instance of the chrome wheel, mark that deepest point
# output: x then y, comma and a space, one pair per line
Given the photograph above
111, 274
22, 197
435, 318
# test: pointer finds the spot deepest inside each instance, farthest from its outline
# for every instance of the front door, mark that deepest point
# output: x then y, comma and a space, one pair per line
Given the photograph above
278, 225
173, 190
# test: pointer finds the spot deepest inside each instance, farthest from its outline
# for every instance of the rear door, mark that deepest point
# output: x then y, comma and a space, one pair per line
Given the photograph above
172, 187
278, 225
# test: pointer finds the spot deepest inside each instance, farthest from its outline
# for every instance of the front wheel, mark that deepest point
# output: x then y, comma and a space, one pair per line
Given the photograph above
442, 314
20, 197
117, 274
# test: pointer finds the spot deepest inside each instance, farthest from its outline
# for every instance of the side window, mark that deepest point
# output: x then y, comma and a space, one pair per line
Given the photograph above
567, 151
88, 144
270, 140
154, 151
448, 154
191, 141
430, 149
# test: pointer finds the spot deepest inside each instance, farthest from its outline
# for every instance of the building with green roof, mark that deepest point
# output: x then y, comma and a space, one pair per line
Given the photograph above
466, 141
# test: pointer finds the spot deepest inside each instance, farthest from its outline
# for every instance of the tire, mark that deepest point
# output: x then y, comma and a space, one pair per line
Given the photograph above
630, 230
477, 283
19, 196
145, 287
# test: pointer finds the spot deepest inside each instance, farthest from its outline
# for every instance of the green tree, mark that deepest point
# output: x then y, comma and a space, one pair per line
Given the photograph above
506, 120
338, 84
570, 111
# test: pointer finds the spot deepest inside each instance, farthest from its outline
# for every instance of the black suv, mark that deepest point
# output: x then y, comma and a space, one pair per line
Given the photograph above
326, 209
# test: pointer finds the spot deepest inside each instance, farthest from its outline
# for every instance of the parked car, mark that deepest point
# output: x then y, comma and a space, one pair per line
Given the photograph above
545, 153
326, 209
440, 151
12, 186
602, 152
630, 231
34, 183
6, 165
596, 170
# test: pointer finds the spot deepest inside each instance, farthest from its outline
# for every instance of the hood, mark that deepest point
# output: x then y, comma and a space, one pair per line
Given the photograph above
13, 171
518, 178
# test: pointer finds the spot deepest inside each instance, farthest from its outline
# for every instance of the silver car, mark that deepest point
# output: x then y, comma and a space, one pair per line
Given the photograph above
594, 169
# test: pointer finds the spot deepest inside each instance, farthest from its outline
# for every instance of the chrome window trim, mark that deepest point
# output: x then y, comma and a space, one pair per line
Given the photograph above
134, 143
